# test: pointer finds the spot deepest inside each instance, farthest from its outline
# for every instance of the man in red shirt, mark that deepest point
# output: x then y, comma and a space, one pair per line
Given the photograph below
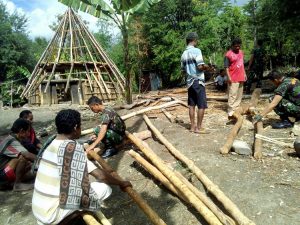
234, 65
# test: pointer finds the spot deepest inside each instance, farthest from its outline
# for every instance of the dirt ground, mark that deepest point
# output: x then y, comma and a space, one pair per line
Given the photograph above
267, 191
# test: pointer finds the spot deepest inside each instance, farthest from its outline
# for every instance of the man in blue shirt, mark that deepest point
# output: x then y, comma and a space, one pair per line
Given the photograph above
193, 66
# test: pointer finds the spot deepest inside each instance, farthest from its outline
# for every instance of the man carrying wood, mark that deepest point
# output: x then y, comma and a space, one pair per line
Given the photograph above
193, 66
234, 65
286, 102
111, 130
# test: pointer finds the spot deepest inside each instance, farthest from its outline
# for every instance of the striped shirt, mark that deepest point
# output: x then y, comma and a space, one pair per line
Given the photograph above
190, 60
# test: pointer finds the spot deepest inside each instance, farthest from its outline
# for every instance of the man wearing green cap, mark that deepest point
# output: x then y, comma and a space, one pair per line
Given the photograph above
192, 65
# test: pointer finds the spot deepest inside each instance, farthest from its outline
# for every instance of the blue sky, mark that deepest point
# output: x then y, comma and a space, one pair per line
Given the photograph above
41, 13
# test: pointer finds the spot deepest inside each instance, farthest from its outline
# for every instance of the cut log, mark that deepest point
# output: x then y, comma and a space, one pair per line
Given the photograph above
224, 98
210, 186
274, 141
258, 142
239, 120
187, 193
87, 131
152, 215
226, 220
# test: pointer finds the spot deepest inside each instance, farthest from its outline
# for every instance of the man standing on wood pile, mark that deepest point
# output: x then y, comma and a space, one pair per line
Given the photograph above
234, 65
286, 102
193, 66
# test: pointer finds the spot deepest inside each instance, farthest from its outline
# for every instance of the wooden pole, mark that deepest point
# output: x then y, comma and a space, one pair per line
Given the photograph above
210, 186
168, 115
226, 220
239, 120
168, 104
156, 173
11, 94
89, 219
186, 192
258, 142
155, 219
160, 177
102, 218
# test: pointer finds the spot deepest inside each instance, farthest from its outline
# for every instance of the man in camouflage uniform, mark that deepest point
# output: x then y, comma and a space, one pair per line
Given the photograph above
111, 130
255, 67
286, 102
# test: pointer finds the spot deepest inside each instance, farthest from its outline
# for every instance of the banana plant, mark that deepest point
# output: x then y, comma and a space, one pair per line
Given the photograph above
120, 12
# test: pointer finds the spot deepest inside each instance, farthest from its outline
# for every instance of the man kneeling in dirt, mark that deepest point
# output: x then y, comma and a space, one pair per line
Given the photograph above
286, 102
15, 160
111, 130
62, 184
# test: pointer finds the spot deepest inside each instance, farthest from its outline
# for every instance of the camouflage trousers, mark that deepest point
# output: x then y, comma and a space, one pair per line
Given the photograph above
254, 76
111, 137
286, 109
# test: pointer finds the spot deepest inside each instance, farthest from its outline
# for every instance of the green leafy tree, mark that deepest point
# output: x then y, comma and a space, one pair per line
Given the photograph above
16, 58
120, 12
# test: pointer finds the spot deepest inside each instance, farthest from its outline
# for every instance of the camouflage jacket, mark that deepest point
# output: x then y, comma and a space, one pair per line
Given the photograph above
114, 122
289, 89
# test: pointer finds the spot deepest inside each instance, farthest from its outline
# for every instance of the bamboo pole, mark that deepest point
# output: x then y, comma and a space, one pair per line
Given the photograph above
258, 142
226, 220
63, 35
107, 92
155, 219
168, 115
102, 218
210, 186
168, 104
157, 174
89, 219
186, 192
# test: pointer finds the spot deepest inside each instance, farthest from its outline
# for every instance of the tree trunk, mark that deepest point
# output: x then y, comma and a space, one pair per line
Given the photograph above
127, 65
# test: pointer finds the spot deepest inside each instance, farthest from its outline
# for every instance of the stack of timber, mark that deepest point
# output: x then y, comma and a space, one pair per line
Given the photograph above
176, 183
73, 67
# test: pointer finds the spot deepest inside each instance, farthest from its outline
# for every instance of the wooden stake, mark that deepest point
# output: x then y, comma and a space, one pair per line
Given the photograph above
210, 186
155, 219
258, 142
239, 120
186, 192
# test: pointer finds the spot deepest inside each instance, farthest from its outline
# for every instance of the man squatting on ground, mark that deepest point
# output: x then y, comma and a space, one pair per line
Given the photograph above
234, 65
286, 102
111, 130
15, 160
62, 184
32, 143
192, 65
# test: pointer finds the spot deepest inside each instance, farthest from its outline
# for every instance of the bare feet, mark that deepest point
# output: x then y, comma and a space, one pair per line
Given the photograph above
22, 187
201, 131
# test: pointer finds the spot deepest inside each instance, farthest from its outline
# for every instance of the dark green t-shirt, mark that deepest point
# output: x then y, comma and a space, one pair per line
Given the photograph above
289, 89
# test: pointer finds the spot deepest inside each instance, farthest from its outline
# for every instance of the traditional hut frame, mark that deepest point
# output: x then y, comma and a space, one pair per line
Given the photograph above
73, 67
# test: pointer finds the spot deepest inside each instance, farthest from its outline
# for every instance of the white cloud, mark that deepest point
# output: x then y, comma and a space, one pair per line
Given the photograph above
41, 14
